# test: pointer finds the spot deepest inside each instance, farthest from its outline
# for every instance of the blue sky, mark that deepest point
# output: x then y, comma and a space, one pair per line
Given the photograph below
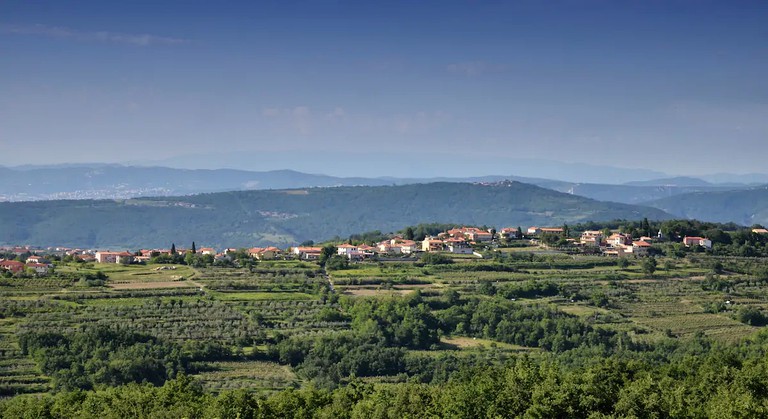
674, 86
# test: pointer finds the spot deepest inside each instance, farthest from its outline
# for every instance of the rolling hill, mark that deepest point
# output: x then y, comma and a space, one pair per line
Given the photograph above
280, 217
629, 194
746, 207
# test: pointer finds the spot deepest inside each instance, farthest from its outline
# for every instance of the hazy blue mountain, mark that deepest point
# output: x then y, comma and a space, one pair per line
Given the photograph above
754, 179
407, 164
746, 207
117, 181
101, 181
672, 181
247, 218
110, 181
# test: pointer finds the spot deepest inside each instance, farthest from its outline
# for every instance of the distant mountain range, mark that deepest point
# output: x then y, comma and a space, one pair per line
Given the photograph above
407, 163
103, 181
684, 181
745, 207
282, 217
116, 181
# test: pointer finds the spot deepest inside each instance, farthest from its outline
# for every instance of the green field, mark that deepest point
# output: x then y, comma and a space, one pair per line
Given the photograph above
249, 310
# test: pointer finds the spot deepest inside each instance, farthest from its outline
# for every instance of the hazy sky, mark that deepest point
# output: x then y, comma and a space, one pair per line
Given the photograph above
676, 86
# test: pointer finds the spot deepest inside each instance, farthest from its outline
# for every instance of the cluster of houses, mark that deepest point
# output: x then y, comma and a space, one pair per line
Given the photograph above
620, 244
455, 241
458, 240
617, 244
36, 263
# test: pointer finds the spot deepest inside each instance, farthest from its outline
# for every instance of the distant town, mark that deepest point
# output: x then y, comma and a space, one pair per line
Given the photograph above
107, 193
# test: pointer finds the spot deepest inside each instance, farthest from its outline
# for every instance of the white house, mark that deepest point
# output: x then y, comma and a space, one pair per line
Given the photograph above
640, 247
697, 241
430, 244
307, 253
508, 233
114, 257
619, 239
591, 238
347, 249
458, 246
40, 268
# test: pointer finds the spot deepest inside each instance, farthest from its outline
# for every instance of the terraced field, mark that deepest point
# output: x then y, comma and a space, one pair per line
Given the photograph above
250, 308
239, 308
265, 376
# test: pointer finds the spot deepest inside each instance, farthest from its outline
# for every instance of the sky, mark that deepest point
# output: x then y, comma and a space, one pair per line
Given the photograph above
679, 87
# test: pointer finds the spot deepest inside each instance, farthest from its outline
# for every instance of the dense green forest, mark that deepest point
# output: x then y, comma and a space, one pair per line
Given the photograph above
711, 383
249, 218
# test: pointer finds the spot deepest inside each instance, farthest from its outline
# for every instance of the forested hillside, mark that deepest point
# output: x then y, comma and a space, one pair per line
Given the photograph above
248, 218
630, 194
745, 207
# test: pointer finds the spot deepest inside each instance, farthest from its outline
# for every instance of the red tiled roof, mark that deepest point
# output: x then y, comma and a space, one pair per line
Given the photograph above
11, 263
310, 249
116, 253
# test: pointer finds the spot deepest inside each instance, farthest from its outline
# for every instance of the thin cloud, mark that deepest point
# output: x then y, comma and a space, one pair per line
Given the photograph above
299, 118
102, 36
476, 68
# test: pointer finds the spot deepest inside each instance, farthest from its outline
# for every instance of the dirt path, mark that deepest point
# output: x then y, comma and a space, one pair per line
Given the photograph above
152, 285
328, 278
195, 283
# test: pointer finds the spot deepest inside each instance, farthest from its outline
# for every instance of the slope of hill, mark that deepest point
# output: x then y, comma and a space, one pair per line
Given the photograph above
628, 194
746, 207
283, 217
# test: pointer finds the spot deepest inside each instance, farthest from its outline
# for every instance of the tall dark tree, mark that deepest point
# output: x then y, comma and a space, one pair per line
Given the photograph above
327, 252
646, 227
194, 250
173, 249
409, 233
